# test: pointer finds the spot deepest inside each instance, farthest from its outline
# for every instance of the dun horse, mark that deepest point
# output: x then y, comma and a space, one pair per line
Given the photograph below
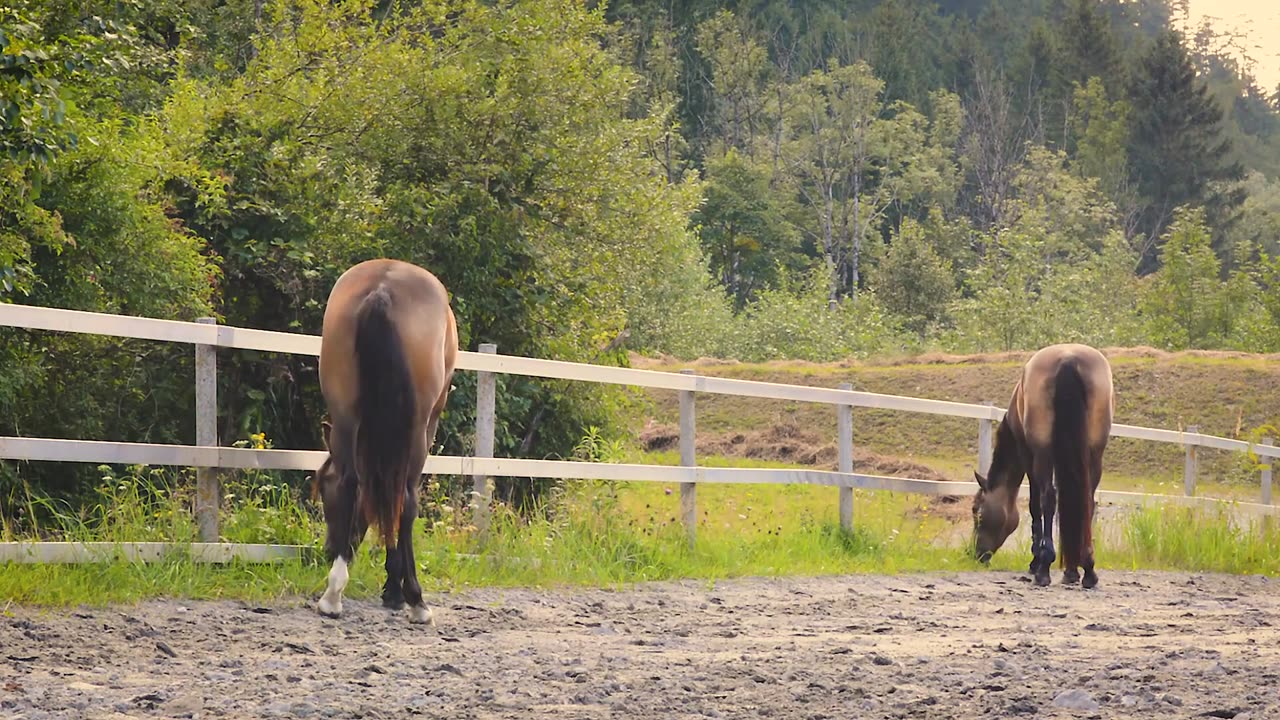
1055, 431
387, 354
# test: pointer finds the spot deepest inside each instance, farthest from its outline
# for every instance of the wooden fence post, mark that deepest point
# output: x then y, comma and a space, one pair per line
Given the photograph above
1268, 463
985, 432
486, 422
844, 432
208, 494
1191, 465
688, 458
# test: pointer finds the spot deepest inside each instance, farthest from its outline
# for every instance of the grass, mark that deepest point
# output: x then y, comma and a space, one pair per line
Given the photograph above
596, 534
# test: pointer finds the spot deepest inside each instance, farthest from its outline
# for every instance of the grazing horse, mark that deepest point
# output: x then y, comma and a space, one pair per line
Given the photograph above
1056, 428
387, 354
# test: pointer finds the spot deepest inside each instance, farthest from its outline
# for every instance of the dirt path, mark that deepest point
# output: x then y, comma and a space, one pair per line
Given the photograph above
929, 646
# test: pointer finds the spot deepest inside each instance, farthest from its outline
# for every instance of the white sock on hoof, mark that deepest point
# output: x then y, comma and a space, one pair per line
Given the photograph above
421, 614
331, 602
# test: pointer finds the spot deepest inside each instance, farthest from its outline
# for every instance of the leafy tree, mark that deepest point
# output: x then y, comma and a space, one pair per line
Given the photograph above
507, 162
744, 229
1101, 135
913, 281
738, 64
851, 159
1187, 304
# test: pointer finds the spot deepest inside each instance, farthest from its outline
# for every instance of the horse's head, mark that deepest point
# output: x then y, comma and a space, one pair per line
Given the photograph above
995, 516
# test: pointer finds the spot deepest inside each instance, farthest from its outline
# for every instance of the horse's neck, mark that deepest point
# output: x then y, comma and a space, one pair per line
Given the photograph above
1006, 465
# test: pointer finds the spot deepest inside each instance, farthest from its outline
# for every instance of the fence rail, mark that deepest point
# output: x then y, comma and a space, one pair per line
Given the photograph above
208, 455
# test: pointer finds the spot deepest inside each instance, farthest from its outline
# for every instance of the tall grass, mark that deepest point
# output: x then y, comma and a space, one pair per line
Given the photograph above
585, 534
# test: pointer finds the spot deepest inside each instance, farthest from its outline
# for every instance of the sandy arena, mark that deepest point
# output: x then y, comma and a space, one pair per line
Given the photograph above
940, 645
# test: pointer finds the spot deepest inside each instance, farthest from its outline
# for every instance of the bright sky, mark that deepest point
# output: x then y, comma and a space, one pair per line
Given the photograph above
1259, 20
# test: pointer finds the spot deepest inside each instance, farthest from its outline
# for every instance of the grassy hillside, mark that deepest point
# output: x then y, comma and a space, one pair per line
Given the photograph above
1226, 394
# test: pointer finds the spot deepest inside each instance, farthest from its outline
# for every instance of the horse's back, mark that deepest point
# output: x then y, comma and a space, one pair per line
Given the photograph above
1038, 388
419, 311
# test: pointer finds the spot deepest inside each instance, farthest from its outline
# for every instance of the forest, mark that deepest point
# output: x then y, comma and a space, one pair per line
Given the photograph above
754, 180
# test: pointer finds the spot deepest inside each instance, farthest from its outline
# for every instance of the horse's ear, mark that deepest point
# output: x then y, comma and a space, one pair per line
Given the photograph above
325, 427
982, 482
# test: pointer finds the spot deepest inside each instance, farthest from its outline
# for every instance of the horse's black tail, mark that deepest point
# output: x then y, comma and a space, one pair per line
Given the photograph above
1075, 490
387, 408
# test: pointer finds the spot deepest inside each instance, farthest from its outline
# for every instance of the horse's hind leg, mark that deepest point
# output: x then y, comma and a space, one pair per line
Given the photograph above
1042, 476
1095, 474
393, 588
418, 610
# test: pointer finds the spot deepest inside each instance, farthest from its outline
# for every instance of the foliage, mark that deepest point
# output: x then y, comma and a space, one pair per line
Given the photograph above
914, 281
817, 182
1187, 303
743, 227
803, 322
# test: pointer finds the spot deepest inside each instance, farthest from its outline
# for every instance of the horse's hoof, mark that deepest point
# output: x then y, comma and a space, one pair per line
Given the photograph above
333, 611
421, 614
393, 603
1090, 581
1070, 577
1042, 579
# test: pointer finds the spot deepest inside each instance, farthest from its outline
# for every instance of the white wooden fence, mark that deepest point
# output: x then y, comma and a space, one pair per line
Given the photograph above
207, 455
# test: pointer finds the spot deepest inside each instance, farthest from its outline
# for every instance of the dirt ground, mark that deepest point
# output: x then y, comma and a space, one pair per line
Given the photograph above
956, 645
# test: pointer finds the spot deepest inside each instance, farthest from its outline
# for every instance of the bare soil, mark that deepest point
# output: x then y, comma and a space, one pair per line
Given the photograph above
953, 645
784, 442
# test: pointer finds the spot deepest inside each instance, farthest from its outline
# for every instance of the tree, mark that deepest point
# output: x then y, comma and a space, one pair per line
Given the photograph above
743, 228
1177, 151
992, 147
851, 158
913, 281
738, 65
509, 162
1188, 304
1101, 132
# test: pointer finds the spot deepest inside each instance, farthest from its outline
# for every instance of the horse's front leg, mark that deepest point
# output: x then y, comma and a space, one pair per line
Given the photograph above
340, 542
1042, 477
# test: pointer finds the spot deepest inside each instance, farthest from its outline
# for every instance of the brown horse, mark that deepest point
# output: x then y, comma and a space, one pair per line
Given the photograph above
1055, 431
387, 354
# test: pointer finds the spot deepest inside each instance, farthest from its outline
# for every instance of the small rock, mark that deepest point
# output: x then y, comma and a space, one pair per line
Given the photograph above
1076, 699
185, 706
1023, 707
882, 660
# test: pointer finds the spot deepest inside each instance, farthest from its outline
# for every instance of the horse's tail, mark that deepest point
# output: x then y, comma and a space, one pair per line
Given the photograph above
1070, 468
386, 409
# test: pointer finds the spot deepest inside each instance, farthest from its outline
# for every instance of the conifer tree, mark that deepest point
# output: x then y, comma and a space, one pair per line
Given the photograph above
1177, 148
